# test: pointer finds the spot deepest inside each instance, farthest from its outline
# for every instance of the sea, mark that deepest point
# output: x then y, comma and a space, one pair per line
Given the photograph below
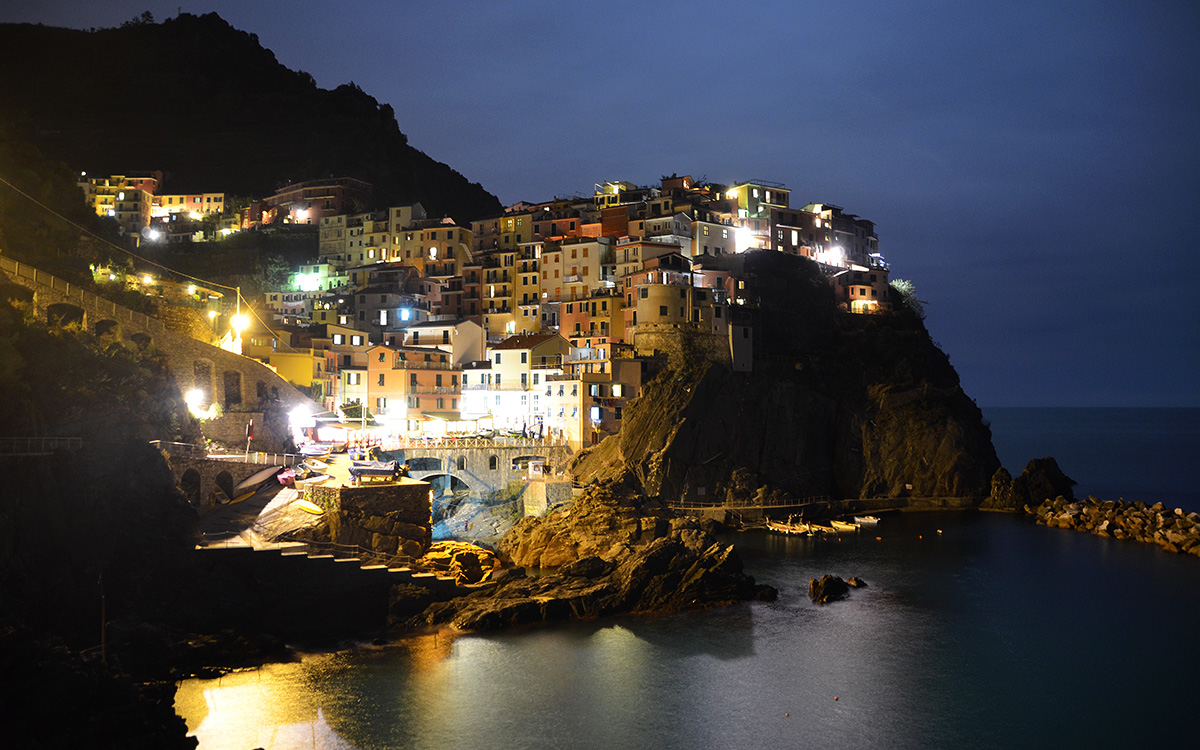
975, 630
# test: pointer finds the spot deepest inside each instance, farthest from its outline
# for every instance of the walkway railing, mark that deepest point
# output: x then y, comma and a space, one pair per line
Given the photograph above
750, 505
345, 551
190, 450
74, 292
38, 446
472, 442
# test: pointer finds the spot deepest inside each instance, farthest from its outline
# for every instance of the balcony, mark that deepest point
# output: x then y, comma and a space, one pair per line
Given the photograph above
408, 364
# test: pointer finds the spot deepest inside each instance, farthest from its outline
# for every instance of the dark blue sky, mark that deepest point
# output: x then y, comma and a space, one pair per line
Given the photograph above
1033, 167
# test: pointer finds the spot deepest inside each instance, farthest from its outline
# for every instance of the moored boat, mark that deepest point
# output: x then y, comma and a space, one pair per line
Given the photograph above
795, 529
843, 525
866, 520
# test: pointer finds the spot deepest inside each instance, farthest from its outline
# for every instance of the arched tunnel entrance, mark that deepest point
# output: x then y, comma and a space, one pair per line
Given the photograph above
449, 492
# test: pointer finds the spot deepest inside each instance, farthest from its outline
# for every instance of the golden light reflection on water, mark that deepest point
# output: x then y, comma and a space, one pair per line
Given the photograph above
291, 705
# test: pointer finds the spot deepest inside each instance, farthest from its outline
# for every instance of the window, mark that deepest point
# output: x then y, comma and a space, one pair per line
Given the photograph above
339, 339
381, 378
353, 378
524, 358
412, 380
643, 292
440, 402
356, 340
380, 404
414, 402
493, 463
438, 380
381, 356
497, 357
662, 310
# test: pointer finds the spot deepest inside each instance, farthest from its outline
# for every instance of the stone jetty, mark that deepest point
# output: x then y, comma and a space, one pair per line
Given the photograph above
1173, 530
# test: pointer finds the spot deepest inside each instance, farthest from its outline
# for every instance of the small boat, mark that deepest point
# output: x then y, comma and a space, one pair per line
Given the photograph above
816, 528
315, 464
242, 497
866, 520
843, 525
257, 478
797, 529
313, 479
309, 507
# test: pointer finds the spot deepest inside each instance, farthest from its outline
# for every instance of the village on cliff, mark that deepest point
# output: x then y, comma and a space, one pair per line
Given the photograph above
536, 322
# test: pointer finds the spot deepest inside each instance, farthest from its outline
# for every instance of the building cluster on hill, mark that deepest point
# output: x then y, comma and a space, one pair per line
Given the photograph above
542, 319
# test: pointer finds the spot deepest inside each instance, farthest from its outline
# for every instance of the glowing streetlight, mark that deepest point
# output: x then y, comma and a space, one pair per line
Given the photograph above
240, 323
191, 288
147, 279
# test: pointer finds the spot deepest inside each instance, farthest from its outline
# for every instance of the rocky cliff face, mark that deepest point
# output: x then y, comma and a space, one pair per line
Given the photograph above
613, 553
860, 407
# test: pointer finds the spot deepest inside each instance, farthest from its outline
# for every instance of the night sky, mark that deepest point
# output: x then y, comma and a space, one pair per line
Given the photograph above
1033, 167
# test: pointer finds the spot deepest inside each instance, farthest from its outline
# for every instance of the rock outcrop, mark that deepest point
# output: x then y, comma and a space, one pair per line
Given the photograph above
1172, 530
1041, 479
613, 552
828, 588
674, 573
846, 406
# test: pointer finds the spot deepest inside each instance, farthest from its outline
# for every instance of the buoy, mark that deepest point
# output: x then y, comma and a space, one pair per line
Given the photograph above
787, 714
879, 539
835, 697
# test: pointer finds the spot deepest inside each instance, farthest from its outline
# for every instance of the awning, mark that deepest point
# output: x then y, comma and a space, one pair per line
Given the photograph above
443, 416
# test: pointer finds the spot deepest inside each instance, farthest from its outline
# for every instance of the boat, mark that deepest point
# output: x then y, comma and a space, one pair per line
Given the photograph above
843, 525
816, 528
797, 529
309, 507
866, 520
256, 478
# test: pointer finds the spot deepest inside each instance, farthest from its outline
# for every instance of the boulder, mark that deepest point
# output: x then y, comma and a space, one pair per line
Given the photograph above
827, 588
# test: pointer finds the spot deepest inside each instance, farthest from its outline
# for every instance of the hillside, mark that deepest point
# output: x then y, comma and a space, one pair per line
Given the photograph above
849, 406
214, 110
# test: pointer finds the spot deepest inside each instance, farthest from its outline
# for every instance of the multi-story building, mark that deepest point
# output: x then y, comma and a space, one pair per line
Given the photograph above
308, 202
510, 389
463, 339
409, 385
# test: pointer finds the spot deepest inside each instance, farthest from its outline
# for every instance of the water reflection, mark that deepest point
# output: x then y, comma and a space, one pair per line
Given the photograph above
956, 634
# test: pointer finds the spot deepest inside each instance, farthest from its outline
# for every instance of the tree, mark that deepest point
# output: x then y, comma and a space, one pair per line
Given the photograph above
905, 292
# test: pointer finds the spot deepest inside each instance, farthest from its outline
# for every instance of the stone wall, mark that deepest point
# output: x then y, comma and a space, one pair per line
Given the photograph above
541, 495
394, 518
681, 345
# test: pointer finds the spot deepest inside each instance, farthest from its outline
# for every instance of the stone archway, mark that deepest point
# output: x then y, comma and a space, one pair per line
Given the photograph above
233, 388
143, 340
65, 314
191, 484
225, 483
107, 327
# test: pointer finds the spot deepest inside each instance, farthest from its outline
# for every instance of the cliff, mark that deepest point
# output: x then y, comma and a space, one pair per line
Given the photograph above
238, 120
849, 406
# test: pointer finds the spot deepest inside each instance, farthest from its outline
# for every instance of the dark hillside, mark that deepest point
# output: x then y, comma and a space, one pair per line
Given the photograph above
212, 109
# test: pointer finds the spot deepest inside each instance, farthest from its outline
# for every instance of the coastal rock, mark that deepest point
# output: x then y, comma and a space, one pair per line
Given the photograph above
1041, 479
1172, 530
608, 521
827, 588
856, 583
665, 575
844, 406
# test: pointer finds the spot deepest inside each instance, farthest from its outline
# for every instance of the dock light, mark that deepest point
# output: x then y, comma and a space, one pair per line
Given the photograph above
191, 288
154, 235
212, 314
112, 277
240, 323
147, 280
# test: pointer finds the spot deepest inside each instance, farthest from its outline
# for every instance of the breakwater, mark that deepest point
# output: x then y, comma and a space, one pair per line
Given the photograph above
1172, 529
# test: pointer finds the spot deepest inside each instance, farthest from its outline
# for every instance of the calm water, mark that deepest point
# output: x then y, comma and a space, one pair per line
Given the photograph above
991, 633
1137, 454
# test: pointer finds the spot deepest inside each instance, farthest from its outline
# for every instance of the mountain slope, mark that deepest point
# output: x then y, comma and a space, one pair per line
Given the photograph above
213, 109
